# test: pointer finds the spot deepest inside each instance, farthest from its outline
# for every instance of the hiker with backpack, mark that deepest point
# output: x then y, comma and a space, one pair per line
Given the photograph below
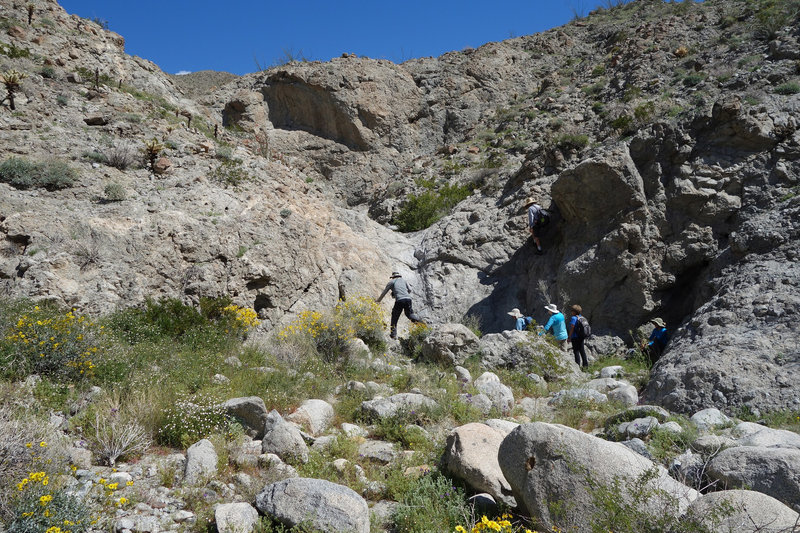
522, 321
557, 325
401, 292
655, 344
579, 330
538, 218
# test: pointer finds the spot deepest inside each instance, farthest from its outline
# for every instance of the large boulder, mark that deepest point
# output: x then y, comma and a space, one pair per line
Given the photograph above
773, 471
201, 462
250, 412
325, 506
235, 517
750, 434
471, 455
283, 439
501, 396
314, 415
520, 349
387, 407
550, 463
449, 344
742, 511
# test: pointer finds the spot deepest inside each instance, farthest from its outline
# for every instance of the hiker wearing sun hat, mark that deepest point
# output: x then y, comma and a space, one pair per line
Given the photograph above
401, 292
657, 341
557, 325
522, 321
537, 219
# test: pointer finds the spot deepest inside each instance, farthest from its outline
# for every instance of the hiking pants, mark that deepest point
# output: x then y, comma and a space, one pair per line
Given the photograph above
401, 306
579, 352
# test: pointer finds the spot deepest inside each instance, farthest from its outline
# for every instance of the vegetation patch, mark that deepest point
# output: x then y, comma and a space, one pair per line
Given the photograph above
420, 211
52, 175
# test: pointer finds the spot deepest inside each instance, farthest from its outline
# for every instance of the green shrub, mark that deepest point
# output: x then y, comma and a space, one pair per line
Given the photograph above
95, 157
42, 506
788, 88
62, 99
644, 111
23, 174
114, 192
623, 124
230, 172
412, 345
572, 140
190, 419
421, 211
48, 72
434, 503
692, 80
14, 52
774, 15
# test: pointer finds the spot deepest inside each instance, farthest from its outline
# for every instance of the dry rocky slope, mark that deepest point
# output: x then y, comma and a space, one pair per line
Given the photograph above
664, 138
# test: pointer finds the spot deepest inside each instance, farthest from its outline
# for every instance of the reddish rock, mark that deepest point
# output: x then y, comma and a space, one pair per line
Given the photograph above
162, 166
16, 32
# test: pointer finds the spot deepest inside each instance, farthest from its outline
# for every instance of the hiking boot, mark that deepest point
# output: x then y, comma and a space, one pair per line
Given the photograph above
539, 252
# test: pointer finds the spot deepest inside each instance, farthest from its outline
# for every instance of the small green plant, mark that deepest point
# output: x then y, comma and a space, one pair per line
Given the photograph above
95, 157
62, 99
230, 172
692, 80
571, 141
422, 210
788, 88
190, 419
644, 111
45, 506
114, 192
23, 174
433, 499
48, 72
623, 124
11, 79
14, 52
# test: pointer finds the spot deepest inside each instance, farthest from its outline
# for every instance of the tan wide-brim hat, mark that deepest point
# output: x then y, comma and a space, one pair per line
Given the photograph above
658, 323
395, 275
515, 313
530, 200
552, 308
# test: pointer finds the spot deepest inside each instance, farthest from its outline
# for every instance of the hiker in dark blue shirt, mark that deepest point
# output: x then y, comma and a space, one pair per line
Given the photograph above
657, 341
537, 219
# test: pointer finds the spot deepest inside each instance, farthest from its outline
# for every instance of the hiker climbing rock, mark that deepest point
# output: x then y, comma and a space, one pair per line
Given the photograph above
579, 329
401, 292
655, 344
521, 321
538, 218
556, 325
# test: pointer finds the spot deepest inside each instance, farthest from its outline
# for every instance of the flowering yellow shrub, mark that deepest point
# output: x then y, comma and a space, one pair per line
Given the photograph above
242, 318
47, 342
331, 332
501, 524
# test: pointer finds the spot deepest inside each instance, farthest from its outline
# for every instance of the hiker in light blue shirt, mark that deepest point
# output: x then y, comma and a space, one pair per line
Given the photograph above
522, 321
556, 325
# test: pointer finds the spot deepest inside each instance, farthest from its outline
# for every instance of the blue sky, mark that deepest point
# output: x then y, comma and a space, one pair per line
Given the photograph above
183, 35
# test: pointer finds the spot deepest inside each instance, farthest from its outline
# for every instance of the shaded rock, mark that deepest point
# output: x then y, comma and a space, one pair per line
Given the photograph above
283, 439
449, 344
96, 120
639, 447
324, 505
378, 450
162, 165
250, 412
544, 463
710, 445
471, 455
639, 427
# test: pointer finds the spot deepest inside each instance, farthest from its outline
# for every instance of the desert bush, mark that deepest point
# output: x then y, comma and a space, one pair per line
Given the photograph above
115, 430
774, 15
788, 88
230, 172
420, 211
114, 192
412, 345
623, 124
50, 342
434, 503
95, 157
45, 506
692, 80
23, 174
570, 140
48, 72
120, 156
14, 52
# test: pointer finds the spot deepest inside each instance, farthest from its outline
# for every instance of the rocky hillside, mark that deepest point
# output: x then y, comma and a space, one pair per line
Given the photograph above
681, 119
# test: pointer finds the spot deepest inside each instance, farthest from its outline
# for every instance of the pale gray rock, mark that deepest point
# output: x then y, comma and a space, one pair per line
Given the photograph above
386, 407
547, 462
613, 372
353, 430
235, 517
625, 394
314, 415
773, 471
471, 455
503, 426
324, 505
710, 445
449, 344
742, 511
378, 450
480, 401
201, 462
220, 379
689, 468
672, 427
80, 457
463, 375
639, 427
250, 412
275, 467
572, 395
750, 434
710, 418
283, 439
519, 349
501, 395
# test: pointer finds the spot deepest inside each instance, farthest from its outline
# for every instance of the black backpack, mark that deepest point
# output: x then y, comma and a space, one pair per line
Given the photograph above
544, 218
582, 328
